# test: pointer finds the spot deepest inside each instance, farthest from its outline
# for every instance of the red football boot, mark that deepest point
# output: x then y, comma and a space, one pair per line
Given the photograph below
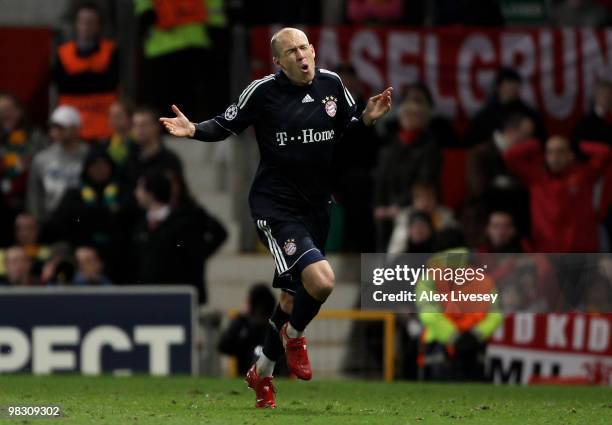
296, 354
264, 389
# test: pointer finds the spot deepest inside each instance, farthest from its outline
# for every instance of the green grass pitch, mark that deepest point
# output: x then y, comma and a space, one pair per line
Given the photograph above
185, 401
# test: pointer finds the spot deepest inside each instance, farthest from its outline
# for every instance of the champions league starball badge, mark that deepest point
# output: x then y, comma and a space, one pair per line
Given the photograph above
290, 247
331, 107
231, 112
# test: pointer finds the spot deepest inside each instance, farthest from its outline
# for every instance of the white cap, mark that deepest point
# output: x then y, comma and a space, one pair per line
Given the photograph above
66, 116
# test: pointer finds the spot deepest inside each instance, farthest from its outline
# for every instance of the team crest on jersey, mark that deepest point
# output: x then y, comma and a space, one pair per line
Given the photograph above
331, 105
231, 112
290, 247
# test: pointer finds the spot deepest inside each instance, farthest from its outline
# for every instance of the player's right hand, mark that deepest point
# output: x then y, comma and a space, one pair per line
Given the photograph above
178, 126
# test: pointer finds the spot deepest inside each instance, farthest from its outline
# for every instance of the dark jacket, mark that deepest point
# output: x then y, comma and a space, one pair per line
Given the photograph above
90, 215
490, 118
593, 128
174, 252
400, 166
164, 159
240, 339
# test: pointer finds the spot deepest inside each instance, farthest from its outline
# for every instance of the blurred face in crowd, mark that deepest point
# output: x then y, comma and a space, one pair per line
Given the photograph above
17, 264
294, 55
603, 97
10, 113
559, 155
420, 232
424, 198
99, 171
145, 128
520, 133
508, 90
63, 135
119, 119
26, 230
413, 116
87, 25
500, 229
90, 265
416, 95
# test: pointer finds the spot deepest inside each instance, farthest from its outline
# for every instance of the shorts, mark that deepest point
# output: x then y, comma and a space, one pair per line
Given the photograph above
294, 244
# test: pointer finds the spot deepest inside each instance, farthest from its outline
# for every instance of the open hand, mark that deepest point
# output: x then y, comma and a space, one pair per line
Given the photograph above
377, 106
178, 126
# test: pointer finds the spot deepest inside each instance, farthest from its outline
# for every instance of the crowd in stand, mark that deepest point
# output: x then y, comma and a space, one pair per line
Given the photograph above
546, 193
96, 213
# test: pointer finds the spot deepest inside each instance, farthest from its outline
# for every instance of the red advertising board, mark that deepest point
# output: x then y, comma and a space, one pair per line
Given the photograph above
559, 66
552, 346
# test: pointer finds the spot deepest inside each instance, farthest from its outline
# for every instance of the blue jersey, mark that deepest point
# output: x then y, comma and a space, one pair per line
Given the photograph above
297, 128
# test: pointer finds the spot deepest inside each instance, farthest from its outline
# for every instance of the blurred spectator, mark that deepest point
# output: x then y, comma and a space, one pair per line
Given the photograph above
175, 36
89, 213
151, 152
19, 141
355, 158
60, 268
121, 145
412, 155
486, 168
579, 13
26, 236
505, 100
455, 334
212, 230
489, 182
86, 73
245, 335
424, 199
58, 167
166, 246
561, 192
90, 268
501, 234
597, 124
420, 234
18, 268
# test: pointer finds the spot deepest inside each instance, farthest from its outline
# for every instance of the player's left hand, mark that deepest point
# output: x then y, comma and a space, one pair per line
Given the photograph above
377, 106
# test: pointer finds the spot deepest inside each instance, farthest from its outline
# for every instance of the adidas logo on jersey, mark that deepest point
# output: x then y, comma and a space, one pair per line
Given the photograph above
307, 99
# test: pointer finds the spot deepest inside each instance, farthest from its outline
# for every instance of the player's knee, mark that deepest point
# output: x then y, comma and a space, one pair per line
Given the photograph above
325, 284
286, 302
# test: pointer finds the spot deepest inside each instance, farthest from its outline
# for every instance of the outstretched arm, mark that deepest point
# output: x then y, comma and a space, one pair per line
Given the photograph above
207, 131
